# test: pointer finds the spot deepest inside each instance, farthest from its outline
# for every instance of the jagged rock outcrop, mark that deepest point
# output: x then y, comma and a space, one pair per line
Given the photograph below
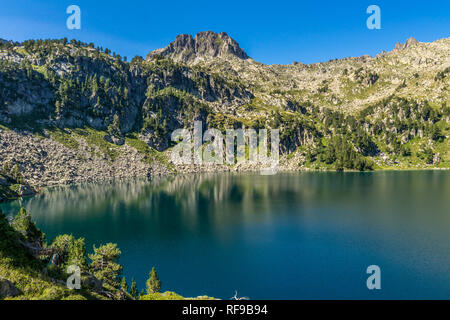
409, 43
206, 45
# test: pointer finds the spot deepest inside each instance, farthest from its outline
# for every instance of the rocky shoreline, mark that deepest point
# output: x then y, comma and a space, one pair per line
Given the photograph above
45, 162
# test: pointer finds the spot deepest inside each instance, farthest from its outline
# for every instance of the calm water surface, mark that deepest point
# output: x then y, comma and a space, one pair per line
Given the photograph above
288, 236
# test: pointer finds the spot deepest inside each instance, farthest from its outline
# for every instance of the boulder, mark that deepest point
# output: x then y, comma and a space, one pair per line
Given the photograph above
437, 158
7, 289
25, 191
88, 280
115, 140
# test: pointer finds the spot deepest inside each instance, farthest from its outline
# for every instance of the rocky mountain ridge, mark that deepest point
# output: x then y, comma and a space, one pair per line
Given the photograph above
93, 115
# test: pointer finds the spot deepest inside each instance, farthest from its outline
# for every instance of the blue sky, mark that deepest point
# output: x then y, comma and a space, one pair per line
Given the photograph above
269, 31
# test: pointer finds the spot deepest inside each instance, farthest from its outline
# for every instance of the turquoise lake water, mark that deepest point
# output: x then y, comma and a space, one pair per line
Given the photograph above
287, 236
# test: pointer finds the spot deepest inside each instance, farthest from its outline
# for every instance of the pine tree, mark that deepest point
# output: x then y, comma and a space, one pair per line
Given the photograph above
124, 284
16, 172
71, 251
77, 253
133, 288
114, 127
6, 168
23, 224
105, 264
153, 284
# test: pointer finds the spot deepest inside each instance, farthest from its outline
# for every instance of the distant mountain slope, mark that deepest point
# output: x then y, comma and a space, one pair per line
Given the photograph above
114, 118
347, 85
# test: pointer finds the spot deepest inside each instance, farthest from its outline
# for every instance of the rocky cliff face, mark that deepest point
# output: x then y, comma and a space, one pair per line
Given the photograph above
73, 85
205, 46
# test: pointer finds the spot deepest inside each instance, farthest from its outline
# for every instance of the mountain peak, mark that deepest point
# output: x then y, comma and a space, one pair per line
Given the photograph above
410, 42
206, 45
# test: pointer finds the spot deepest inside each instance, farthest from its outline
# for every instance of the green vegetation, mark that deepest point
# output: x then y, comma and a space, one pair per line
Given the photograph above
12, 183
162, 296
442, 74
340, 153
97, 138
105, 264
8, 192
23, 224
358, 142
24, 270
64, 137
169, 295
124, 285
70, 251
150, 154
133, 289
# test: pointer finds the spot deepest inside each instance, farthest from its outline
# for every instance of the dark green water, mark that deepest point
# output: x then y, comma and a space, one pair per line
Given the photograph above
288, 236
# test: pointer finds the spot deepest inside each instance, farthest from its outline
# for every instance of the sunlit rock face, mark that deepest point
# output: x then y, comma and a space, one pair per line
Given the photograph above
206, 45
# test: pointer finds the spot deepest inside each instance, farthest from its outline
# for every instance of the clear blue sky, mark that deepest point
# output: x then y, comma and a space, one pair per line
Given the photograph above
269, 31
